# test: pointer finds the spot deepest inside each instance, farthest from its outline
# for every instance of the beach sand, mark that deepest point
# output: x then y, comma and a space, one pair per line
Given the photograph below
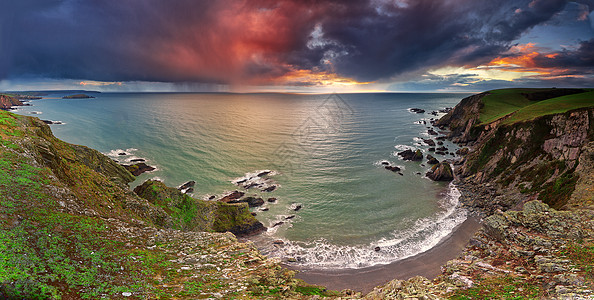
425, 264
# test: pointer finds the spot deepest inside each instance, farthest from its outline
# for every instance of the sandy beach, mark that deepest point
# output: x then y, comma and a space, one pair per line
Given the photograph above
426, 264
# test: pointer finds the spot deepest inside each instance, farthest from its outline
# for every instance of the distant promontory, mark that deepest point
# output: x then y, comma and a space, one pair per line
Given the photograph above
78, 96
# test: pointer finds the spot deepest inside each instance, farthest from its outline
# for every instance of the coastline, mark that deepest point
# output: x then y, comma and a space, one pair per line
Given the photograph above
425, 264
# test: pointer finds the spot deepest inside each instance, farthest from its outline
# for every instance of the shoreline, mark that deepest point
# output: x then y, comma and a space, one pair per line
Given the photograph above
425, 264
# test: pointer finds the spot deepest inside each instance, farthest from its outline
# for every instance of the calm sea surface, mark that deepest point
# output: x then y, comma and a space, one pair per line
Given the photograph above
325, 154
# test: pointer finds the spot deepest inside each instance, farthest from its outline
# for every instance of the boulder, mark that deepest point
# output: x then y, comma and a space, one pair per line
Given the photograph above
270, 188
187, 185
432, 160
429, 142
392, 168
138, 168
263, 173
417, 110
441, 172
254, 202
232, 197
410, 155
432, 132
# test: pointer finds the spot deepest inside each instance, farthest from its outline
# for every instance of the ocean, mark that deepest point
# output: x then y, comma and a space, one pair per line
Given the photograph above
324, 154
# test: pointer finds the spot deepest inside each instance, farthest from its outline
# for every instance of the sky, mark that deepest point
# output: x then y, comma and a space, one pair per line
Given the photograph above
295, 45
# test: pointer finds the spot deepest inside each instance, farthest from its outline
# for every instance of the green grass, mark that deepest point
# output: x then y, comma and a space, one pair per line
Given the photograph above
501, 103
552, 106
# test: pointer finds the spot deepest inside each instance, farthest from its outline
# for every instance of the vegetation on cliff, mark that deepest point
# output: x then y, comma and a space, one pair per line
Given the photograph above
528, 142
524, 144
71, 228
8, 101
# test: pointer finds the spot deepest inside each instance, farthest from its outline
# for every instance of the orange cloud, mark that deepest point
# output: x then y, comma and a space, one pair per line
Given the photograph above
319, 79
519, 56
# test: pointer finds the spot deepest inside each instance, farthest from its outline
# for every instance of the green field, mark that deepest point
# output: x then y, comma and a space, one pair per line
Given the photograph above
501, 103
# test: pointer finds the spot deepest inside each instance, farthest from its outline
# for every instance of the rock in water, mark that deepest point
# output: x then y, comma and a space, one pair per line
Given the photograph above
187, 185
392, 168
441, 172
417, 110
410, 155
139, 168
429, 142
270, 188
233, 196
432, 160
255, 202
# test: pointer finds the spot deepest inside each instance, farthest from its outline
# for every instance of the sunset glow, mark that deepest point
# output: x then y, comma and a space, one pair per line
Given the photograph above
251, 45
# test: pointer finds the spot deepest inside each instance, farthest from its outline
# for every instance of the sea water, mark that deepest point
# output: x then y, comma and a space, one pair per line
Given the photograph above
325, 154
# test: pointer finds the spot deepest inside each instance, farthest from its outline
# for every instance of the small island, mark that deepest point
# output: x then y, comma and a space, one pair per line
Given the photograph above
78, 96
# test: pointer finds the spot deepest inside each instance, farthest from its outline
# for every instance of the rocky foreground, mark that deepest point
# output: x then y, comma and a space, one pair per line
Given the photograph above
70, 227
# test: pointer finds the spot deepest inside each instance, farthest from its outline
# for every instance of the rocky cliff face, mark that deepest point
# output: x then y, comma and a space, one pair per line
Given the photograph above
191, 214
526, 249
7, 102
461, 121
539, 159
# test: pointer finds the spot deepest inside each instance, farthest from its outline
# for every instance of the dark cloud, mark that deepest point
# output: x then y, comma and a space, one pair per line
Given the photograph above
582, 57
255, 41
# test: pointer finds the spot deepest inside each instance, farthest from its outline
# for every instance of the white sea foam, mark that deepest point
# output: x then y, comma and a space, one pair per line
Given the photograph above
252, 180
402, 147
424, 235
380, 163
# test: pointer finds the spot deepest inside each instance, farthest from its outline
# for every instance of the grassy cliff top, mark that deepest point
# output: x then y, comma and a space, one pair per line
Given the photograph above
527, 104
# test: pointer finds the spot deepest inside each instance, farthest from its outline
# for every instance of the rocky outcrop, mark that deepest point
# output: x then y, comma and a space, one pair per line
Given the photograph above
191, 214
441, 172
536, 253
138, 168
6, 102
432, 160
410, 155
535, 159
462, 119
62, 203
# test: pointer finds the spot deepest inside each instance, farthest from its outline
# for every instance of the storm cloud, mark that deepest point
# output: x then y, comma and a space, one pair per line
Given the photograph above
258, 41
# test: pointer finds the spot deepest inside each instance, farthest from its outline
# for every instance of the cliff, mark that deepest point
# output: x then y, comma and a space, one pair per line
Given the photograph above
537, 149
70, 228
74, 229
7, 101
529, 151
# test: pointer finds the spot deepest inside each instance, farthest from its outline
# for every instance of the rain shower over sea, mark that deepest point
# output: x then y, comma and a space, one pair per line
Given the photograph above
325, 154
